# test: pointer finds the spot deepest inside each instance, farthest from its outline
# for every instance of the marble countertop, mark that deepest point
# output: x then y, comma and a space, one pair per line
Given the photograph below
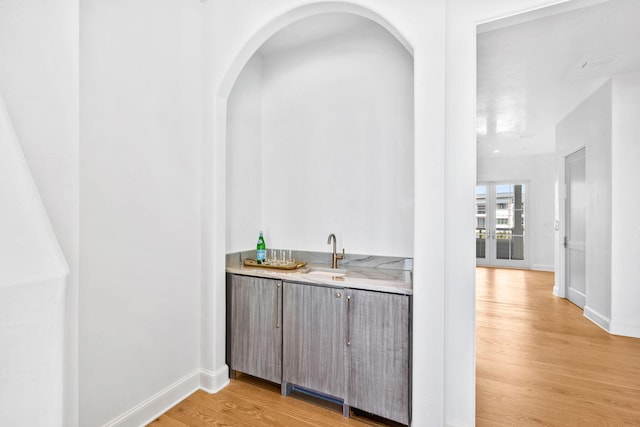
347, 276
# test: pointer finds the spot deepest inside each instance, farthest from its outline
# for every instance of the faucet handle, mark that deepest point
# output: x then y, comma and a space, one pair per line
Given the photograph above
340, 256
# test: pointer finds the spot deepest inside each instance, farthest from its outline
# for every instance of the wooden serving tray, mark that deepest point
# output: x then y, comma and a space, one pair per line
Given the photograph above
291, 266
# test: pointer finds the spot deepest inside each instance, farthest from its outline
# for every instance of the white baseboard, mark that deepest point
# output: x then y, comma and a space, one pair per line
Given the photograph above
543, 267
213, 382
625, 329
557, 291
458, 423
159, 403
611, 326
597, 318
578, 298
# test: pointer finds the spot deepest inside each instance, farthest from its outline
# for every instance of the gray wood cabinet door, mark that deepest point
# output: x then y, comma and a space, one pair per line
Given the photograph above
254, 320
313, 338
378, 355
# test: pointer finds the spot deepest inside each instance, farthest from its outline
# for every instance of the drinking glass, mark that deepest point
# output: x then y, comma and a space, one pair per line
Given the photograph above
273, 257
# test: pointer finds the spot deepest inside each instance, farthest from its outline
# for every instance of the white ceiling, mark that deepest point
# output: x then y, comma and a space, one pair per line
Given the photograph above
535, 68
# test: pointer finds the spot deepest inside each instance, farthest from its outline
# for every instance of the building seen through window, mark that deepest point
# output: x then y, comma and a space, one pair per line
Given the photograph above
504, 223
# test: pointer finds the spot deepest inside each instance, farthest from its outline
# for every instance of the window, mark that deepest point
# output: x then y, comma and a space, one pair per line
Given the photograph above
503, 219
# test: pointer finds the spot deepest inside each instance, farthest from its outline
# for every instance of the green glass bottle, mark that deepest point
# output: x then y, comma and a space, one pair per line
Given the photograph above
261, 250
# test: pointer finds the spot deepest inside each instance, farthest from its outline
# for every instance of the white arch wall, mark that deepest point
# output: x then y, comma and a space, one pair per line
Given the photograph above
442, 36
358, 157
429, 129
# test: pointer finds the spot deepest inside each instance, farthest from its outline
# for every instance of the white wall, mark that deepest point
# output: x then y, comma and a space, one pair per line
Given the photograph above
337, 147
606, 123
625, 204
244, 159
589, 125
141, 123
39, 82
32, 353
539, 171
29, 250
33, 275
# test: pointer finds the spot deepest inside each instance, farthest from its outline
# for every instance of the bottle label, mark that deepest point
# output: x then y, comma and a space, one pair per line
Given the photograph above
261, 255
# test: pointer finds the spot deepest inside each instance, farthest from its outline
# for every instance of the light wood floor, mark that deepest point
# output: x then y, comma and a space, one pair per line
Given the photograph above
248, 401
539, 363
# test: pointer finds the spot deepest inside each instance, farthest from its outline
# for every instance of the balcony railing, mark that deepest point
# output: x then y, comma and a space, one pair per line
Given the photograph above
508, 245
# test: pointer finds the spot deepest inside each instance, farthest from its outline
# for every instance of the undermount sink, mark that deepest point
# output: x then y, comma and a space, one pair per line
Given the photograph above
326, 272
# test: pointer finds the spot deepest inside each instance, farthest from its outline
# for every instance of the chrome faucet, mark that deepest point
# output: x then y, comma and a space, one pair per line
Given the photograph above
334, 256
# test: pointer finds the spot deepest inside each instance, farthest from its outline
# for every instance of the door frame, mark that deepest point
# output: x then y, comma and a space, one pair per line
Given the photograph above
493, 262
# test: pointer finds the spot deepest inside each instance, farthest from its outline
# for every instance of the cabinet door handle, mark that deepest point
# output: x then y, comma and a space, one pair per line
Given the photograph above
348, 309
277, 305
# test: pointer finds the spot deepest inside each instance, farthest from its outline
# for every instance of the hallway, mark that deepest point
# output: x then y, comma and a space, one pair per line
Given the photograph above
539, 361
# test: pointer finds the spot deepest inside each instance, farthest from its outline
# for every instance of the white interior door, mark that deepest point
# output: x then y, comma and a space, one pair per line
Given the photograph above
500, 224
576, 221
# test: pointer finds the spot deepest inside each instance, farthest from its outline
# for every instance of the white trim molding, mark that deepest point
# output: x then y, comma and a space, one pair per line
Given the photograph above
150, 409
558, 291
147, 411
597, 318
577, 297
624, 329
213, 382
543, 267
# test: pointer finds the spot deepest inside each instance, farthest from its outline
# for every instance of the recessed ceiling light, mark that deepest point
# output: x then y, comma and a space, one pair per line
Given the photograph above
496, 151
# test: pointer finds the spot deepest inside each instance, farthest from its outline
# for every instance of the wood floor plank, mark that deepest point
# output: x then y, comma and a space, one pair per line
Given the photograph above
248, 401
190, 413
261, 407
167, 421
539, 361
